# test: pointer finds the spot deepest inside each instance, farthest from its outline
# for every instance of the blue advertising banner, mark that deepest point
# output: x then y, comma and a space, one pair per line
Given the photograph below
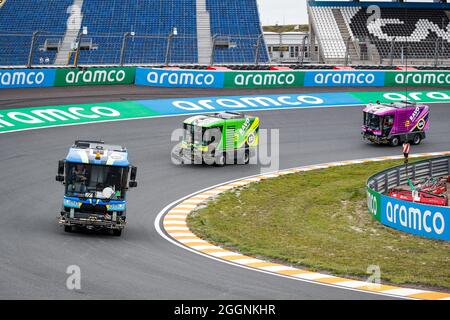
179, 78
415, 218
344, 79
26, 78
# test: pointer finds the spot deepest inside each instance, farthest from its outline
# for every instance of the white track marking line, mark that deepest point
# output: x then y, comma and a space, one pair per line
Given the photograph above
404, 291
224, 253
311, 276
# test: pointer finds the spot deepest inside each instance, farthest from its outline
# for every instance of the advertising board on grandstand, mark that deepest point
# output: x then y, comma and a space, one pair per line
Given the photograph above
179, 78
26, 78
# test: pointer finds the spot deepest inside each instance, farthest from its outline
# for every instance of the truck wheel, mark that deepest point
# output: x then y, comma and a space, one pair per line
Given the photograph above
246, 156
417, 139
395, 141
117, 232
68, 229
220, 160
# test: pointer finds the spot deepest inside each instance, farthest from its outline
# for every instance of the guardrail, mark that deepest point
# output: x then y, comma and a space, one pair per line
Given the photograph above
415, 218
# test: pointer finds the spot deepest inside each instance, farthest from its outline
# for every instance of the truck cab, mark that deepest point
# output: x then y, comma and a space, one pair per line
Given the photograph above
395, 123
219, 139
96, 179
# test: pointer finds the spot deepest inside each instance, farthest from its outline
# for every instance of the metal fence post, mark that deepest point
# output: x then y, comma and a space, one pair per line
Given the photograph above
214, 38
122, 50
302, 56
448, 166
77, 53
391, 53
258, 44
31, 53
347, 49
168, 49
436, 48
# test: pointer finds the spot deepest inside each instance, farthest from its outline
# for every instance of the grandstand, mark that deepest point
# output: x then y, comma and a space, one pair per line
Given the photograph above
349, 32
144, 32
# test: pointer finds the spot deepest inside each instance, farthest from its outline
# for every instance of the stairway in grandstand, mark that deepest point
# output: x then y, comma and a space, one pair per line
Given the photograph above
203, 33
331, 43
71, 35
350, 45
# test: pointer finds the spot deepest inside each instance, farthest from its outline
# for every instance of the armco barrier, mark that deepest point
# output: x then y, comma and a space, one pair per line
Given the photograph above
179, 78
94, 76
410, 217
26, 78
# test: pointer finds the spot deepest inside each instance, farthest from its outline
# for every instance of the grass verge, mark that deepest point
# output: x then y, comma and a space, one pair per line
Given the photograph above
319, 220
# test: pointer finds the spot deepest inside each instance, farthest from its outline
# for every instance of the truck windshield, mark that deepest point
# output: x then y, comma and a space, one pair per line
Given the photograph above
201, 136
96, 181
372, 121
188, 131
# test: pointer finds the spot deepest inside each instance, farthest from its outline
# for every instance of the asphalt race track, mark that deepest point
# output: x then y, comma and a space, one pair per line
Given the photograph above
35, 251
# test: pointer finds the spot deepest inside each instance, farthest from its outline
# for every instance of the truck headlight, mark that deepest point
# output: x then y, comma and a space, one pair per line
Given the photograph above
72, 204
116, 207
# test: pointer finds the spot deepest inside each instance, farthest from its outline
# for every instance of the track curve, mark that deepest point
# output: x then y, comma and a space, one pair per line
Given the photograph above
35, 252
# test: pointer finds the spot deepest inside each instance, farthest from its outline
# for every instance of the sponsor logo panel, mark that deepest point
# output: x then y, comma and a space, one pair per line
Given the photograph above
344, 78
264, 79
249, 103
41, 117
26, 78
415, 218
179, 78
374, 203
417, 96
94, 76
418, 78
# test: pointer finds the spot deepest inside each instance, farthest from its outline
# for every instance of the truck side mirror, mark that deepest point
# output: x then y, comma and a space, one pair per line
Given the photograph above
133, 173
60, 176
61, 167
133, 184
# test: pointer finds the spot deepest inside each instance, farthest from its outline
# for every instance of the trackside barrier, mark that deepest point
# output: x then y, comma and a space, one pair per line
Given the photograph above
62, 77
184, 78
94, 76
179, 78
27, 78
410, 217
277, 79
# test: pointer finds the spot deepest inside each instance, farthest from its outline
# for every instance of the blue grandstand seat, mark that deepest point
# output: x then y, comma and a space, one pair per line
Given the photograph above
20, 18
149, 23
238, 20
